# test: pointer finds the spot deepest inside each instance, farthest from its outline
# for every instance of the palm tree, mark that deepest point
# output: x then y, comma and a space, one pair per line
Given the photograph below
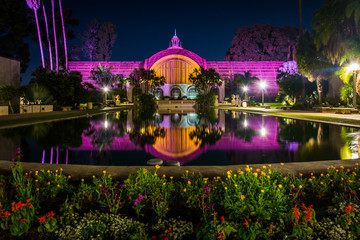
64, 36
8, 93
34, 5
55, 38
48, 39
103, 77
245, 80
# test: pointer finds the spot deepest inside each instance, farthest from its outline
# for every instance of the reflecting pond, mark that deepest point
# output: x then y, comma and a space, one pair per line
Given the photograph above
118, 138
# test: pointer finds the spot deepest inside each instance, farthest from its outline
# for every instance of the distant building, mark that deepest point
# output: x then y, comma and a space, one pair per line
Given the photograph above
9, 72
176, 63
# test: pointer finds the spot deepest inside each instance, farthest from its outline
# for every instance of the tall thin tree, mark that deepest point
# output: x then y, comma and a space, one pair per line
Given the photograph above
48, 38
64, 36
55, 38
34, 5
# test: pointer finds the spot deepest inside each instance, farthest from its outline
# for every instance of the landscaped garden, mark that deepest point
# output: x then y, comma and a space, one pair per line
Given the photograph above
244, 204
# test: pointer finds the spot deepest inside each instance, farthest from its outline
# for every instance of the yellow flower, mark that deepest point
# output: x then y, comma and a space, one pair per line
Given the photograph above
187, 171
61, 169
354, 173
284, 178
155, 174
300, 186
164, 175
300, 174
205, 182
26, 174
255, 174
58, 185
184, 189
109, 176
164, 183
321, 183
171, 177
157, 166
311, 174
310, 179
93, 176
258, 169
262, 190
235, 185
350, 181
48, 183
282, 164
269, 165
264, 167
82, 180
100, 185
225, 188
322, 175
342, 167
42, 170
292, 185
242, 197
36, 180
56, 170
280, 186
48, 171
69, 176
36, 172
356, 164
144, 171
37, 189
104, 172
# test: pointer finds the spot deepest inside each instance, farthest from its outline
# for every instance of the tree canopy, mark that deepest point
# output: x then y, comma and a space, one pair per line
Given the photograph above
262, 43
205, 79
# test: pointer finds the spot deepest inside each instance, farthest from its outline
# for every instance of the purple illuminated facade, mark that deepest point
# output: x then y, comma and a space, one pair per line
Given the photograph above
175, 63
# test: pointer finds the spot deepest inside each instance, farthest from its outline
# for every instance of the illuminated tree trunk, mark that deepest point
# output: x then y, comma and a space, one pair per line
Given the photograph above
55, 38
34, 5
48, 39
319, 85
64, 35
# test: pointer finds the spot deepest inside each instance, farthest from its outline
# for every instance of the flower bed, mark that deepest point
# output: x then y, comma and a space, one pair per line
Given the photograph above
246, 204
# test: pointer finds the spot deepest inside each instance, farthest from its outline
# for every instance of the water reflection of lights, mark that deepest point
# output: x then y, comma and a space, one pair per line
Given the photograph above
106, 124
245, 123
263, 132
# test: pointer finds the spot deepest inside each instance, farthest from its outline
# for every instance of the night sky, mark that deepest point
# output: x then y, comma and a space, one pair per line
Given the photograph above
204, 27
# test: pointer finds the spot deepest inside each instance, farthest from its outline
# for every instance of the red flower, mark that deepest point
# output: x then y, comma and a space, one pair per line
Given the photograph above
50, 214
349, 209
166, 238
308, 213
153, 238
222, 219
23, 220
42, 219
246, 223
7, 214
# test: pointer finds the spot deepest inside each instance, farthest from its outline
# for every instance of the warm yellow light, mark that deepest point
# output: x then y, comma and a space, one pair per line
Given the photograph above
245, 88
245, 123
106, 89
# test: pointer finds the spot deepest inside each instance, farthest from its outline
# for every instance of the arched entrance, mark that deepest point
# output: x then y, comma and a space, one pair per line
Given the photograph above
158, 93
175, 92
192, 93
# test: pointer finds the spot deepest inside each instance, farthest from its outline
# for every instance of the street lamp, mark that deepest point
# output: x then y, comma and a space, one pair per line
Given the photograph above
353, 68
245, 89
262, 86
105, 89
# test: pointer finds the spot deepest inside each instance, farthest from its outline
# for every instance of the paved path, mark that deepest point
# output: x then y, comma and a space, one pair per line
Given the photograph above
294, 113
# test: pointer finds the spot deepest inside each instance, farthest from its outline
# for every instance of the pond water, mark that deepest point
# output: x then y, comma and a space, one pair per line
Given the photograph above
116, 138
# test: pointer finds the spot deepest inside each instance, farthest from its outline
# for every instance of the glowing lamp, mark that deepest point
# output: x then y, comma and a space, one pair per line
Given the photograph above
263, 132
353, 67
263, 85
106, 89
245, 88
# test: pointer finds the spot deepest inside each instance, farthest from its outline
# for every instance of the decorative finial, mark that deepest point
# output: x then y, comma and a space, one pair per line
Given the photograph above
175, 41
175, 32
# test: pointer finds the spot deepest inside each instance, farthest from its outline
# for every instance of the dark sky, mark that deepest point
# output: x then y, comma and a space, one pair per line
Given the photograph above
204, 27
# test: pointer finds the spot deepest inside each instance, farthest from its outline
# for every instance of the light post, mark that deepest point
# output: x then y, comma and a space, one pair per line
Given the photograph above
262, 86
353, 68
245, 89
105, 89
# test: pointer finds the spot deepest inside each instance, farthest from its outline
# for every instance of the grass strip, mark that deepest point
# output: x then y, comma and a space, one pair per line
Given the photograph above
300, 116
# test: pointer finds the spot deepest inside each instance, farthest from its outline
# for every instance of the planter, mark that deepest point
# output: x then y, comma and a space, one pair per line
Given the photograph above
90, 105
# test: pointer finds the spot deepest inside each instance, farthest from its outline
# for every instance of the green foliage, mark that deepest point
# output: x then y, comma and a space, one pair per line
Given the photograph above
145, 106
245, 79
38, 94
148, 78
8, 93
65, 87
290, 84
346, 93
205, 80
103, 76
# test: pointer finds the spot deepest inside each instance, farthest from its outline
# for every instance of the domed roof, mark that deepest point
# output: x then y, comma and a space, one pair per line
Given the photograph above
174, 49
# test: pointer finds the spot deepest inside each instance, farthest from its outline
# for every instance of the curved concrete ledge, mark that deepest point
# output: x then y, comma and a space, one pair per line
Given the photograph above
78, 172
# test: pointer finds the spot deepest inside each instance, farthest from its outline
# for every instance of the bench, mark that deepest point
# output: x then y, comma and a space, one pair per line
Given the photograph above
66, 108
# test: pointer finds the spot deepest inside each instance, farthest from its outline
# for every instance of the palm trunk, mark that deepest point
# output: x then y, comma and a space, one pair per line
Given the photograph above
48, 39
12, 110
64, 35
55, 38
319, 84
39, 36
